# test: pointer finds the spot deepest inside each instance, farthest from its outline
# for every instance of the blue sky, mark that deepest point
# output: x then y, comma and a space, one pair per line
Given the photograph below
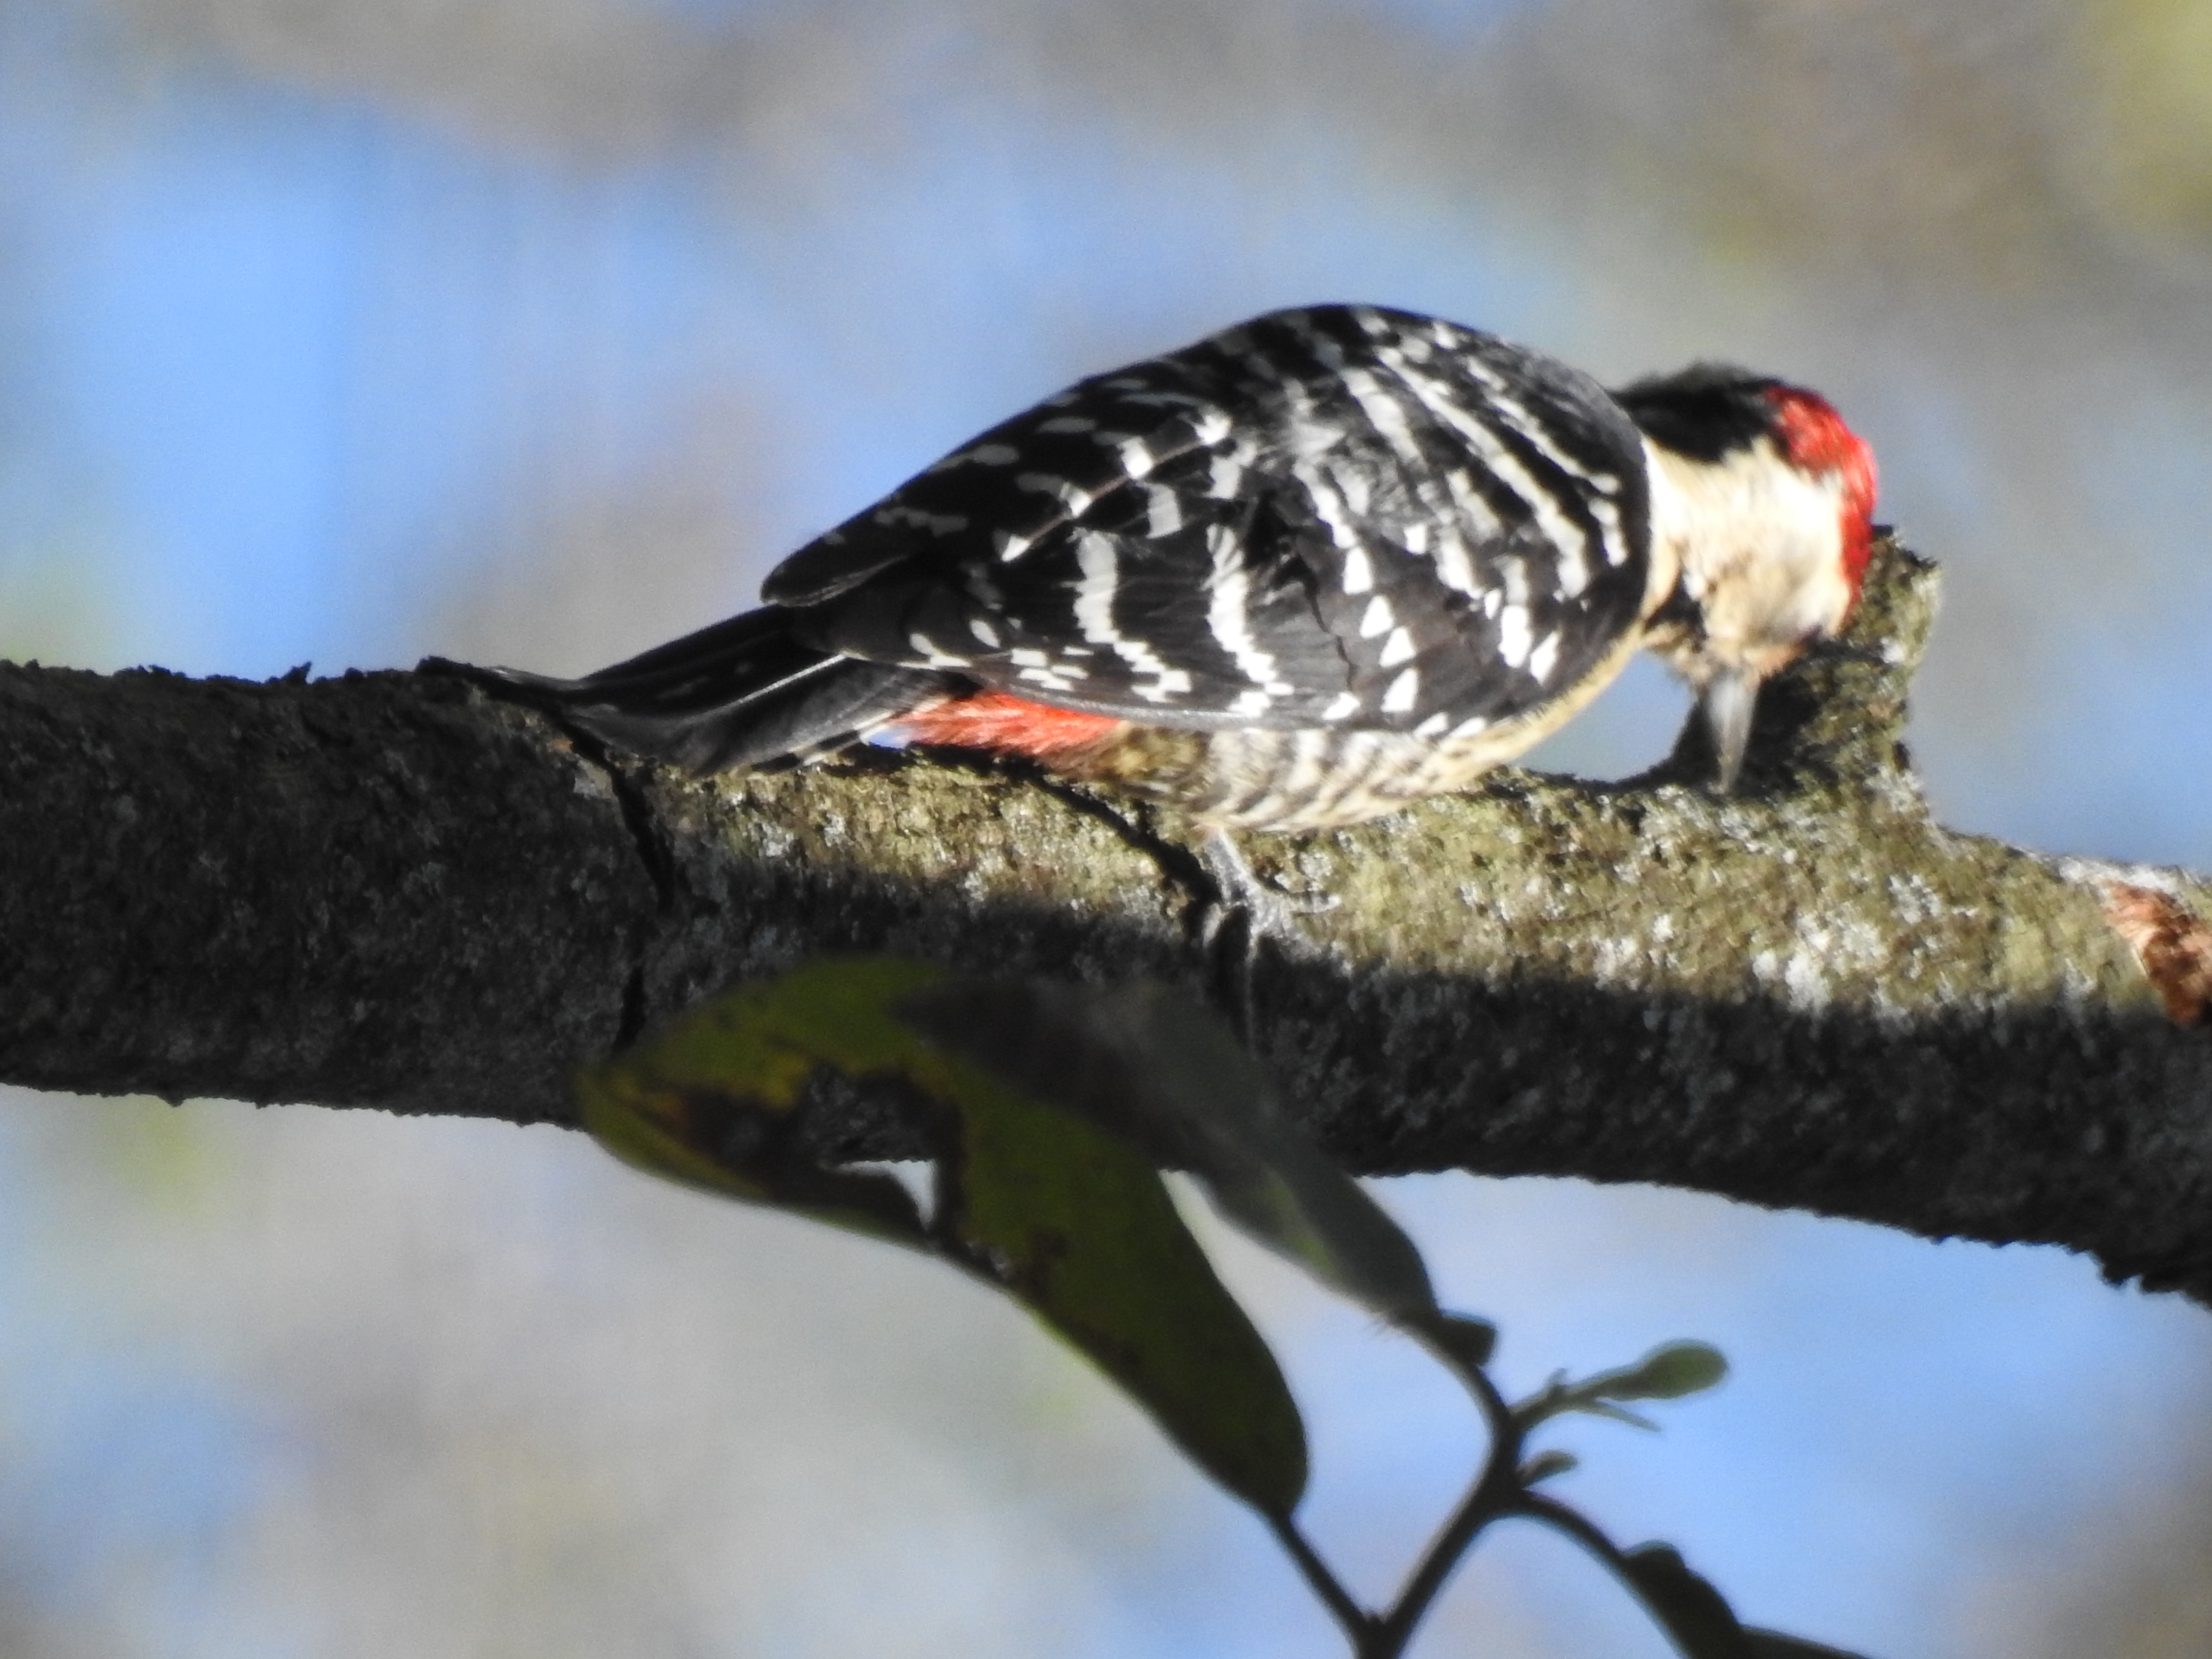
277, 367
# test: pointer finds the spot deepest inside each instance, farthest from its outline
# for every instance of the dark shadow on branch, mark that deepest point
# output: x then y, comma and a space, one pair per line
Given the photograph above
388, 891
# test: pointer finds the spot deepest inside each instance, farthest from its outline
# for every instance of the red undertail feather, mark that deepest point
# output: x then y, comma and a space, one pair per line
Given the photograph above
1815, 438
1007, 725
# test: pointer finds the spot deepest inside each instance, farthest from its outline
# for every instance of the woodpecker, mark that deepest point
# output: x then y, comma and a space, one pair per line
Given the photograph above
1298, 574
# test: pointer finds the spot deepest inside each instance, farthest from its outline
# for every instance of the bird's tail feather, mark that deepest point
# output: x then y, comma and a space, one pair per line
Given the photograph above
744, 693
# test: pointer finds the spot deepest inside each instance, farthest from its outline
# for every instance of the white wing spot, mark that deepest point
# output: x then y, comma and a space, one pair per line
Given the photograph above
1433, 726
1573, 572
1163, 513
1229, 585
1514, 639
1094, 612
1540, 660
933, 653
1528, 427
982, 628
1399, 698
1398, 648
1384, 411
1094, 596
1308, 435
1453, 564
1608, 522
1473, 507
1011, 547
1467, 728
1137, 457
1328, 506
1378, 619
1558, 531
1343, 707
1359, 571
1209, 426
1072, 495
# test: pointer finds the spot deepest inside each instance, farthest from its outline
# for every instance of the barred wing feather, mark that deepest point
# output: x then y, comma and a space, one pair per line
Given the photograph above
1403, 525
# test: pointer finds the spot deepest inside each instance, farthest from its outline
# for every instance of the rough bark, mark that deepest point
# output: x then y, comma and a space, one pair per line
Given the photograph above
389, 890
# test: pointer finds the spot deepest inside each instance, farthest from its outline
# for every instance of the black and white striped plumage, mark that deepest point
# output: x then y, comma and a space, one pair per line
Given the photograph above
1297, 574
1327, 516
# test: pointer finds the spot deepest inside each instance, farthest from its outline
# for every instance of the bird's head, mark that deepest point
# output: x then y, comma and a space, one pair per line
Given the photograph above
1762, 502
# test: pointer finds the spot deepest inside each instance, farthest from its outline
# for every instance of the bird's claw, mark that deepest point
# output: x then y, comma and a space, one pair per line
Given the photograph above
1243, 912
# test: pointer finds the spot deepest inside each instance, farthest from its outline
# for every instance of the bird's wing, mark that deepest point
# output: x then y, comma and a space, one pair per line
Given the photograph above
1333, 516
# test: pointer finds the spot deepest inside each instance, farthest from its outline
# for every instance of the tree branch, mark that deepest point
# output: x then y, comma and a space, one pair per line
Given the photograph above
387, 889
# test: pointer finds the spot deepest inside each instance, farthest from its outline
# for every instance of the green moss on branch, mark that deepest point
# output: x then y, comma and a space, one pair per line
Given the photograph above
386, 889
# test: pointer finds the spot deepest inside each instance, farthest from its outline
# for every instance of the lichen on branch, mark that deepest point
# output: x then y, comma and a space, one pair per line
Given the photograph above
389, 890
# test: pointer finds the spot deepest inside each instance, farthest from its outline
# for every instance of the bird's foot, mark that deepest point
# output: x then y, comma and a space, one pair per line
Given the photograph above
1237, 887
1244, 913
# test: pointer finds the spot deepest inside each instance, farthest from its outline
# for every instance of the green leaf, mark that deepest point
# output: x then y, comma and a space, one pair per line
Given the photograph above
1695, 1615
1068, 1218
714, 1101
1143, 1062
1667, 1372
1078, 1226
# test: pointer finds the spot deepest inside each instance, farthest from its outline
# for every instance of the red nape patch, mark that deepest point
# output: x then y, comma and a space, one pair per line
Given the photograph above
1815, 438
1008, 726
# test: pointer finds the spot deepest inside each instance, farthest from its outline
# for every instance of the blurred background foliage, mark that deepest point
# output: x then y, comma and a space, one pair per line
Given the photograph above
534, 330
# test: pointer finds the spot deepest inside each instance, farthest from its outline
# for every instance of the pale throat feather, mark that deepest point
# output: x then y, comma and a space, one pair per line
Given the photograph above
1759, 546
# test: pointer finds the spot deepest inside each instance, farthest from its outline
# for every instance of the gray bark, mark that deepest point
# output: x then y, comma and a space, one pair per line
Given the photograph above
389, 890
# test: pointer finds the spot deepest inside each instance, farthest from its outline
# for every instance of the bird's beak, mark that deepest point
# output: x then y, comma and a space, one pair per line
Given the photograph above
1727, 706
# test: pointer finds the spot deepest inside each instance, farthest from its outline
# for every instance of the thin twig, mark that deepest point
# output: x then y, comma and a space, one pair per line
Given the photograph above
1496, 1491
1359, 1624
1560, 1518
